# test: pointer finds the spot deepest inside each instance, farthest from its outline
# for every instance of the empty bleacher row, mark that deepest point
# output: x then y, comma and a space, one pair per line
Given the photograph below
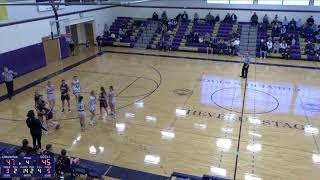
177, 36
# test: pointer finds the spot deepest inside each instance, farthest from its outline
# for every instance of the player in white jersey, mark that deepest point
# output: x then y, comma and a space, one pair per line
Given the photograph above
50, 95
92, 105
76, 87
111, 100
82, 113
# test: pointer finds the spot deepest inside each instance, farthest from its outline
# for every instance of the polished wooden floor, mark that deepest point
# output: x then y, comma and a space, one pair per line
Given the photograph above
177, 114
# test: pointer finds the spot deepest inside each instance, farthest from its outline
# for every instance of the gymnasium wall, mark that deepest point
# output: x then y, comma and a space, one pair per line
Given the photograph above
21, 44
243, 12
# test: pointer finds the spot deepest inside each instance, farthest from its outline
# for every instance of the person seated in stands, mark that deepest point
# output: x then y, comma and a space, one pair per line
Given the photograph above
63, 164
155, 16
121, 32
310, 21
164, 17
48, 150
293, 41
270, 45
254, 19
234, 18
286, 52
317, 50
283, 30
233, 34
207, 37
217, 19
283, 46
201, 39
25, 150
299, 24
210, 46
184, 16
208, 18
317, 37
195, 38
227, 19
163, 43
265, 20
263, 49
309, 50
195, 17
275, 21
285, 21
112, 37
107, 34
164, 29
276, 30
36, 151
276, 47
235, 46
293, 24
220, 46
169, 44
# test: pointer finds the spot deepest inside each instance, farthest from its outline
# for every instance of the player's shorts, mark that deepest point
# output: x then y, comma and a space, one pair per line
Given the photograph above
51, 97
92, 109
49, 114
65, 97
82, 114
103, 104
76, 92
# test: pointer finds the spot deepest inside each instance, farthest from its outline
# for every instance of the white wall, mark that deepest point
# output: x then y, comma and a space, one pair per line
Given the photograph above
22, 35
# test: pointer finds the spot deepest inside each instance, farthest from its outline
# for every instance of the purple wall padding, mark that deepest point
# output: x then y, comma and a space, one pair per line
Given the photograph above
64, 47
23, 60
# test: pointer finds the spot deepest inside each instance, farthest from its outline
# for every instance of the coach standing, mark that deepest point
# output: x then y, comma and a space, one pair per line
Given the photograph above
8, 79
35, 127
245, 66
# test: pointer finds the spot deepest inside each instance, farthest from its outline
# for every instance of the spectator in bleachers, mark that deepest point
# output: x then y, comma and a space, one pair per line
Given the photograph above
275, 21
155, 16
112, 37
234, 18
286, 53
36, 151
164, 17
263, 49
235, 46
121, 32
210, 46
309, 50
209, 18
217, 19
270, 45
283, 30
207, 37
276, 30
265, 20
233, 34
310, 21
254, 19
285, 21
317, 37
293, 24
317, 50
184, 16
48, 150
195, 37
293, 41
227, 19
283, 46
201, 39
299, 24
25, 150
195, 17
220, 46
276, 47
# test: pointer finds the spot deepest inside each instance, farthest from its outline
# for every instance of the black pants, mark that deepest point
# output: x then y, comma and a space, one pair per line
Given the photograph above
9, 88
244, 72
36, 138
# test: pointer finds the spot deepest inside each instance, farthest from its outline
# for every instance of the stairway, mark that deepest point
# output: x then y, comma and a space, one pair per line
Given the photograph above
147, 34
248, 40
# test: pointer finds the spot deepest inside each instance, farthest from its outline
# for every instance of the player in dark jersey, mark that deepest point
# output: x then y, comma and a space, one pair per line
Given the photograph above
64, 89
103, 103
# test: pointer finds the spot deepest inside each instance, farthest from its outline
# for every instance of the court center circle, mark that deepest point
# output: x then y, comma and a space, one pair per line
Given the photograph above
256, 102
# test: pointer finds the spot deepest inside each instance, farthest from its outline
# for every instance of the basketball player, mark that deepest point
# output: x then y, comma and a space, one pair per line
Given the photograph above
76, 87
50, 95
64, 89
82, 113
92, 107
45, 112
103, 102
111, 100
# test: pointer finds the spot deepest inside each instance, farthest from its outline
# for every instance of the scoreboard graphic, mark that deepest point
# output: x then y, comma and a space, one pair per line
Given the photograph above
27, 166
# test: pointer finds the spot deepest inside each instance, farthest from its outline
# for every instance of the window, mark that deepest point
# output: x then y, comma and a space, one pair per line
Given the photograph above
241, 1
317, 2
218, 1
296, 2
273, 2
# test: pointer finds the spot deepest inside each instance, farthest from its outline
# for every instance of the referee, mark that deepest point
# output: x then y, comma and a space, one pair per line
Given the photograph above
8, 79
245, 67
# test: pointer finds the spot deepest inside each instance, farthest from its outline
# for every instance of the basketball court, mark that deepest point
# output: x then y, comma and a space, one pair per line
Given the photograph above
181, 112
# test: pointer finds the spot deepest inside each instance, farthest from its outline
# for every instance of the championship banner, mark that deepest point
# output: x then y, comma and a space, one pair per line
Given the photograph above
3, 11
42, 8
